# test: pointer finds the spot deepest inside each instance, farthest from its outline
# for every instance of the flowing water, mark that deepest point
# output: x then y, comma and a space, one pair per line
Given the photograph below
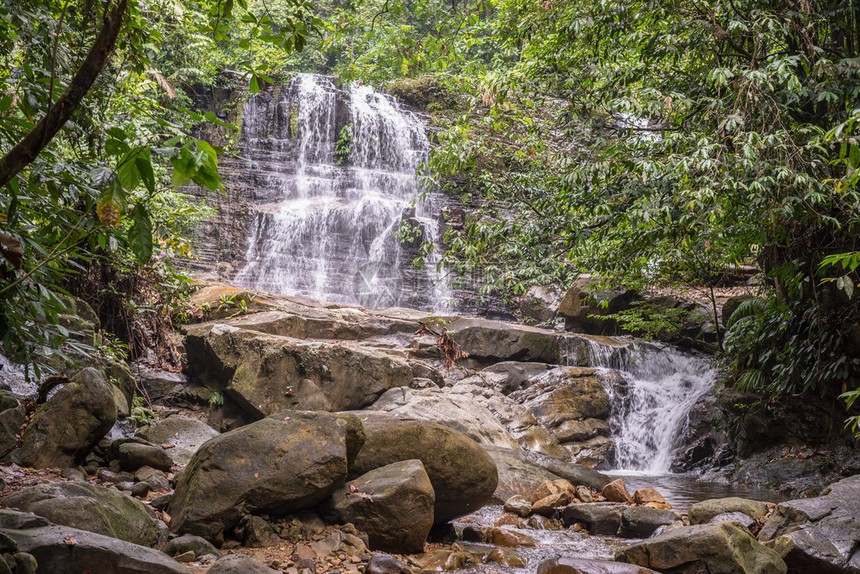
15, 376
341, 183
649, 412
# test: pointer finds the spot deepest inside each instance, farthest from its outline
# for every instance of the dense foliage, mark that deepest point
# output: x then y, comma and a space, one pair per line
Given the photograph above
652, 142
671, 141
94, 144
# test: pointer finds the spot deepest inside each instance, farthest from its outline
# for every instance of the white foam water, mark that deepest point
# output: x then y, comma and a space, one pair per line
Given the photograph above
650, 412
329, 226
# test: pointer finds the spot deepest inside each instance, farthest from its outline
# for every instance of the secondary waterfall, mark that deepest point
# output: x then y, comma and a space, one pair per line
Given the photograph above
340, 184
649, 412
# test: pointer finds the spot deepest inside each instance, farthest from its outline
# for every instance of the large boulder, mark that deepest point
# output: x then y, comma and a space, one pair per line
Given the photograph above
95, 508
517, 474
521, 472
704, 511
344, 324
572, 403
455, 407
487, 340
720, 548
184, 434
614, 519
266, 373
190, 543
277, 465
12, 416
392, 504
66, 549
582, 306
134, 455
66, 427
576, 474
819, 534
539, 303
571, 565
298, 317
463, 475
240, 564
159, 383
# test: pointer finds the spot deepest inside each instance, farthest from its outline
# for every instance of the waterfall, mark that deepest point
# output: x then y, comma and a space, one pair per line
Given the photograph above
338, 181
649, 411
15, 376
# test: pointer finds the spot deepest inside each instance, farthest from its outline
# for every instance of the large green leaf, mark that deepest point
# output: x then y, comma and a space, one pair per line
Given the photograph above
140, 234
111, 204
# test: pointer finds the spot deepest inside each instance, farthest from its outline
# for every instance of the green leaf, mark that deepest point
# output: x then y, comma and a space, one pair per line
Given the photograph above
117, 133
116, 147
255, 85
143, 162
127, 173
111, 204
140, 234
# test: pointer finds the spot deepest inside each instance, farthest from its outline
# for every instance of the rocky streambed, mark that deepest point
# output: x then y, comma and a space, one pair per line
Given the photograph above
306, 437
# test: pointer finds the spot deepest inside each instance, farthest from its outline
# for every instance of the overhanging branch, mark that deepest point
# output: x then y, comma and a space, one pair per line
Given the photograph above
59, 113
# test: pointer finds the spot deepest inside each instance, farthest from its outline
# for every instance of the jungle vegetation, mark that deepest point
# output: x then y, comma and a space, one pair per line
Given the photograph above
649, 142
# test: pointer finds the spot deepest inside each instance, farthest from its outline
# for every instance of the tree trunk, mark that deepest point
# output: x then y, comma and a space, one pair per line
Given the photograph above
59, 113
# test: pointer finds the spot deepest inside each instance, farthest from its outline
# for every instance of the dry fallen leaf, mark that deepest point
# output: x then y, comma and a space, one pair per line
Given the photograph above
70, 540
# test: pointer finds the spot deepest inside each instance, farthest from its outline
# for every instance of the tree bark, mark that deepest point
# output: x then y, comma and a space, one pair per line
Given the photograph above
59, 113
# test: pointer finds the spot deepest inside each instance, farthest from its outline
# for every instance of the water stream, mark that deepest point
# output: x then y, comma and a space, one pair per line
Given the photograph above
649, 412
340, 183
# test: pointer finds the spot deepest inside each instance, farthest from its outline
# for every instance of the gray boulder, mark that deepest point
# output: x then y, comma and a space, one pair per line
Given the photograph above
704, 511
521, 472
571, 565
539, 303
487, 340
275, 466
159, 383
12, 416
240, 564
463, 475
93, 508
453, 407
598, 517
820, 534
582, 306
66, 427
614, 519
722, 548
517, 474
66, 549
189, 542
132, 456
184, 433
265, 374
392, 504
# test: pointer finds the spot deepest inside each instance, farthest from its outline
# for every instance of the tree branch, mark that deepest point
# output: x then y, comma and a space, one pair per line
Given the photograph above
58, 114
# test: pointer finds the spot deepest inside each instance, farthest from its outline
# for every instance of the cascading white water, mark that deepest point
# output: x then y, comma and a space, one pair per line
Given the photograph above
15, 376
328, 231
649, 413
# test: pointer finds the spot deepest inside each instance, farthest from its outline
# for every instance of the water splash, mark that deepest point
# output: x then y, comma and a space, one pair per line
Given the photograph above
649, 412
15, 376
328, 230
